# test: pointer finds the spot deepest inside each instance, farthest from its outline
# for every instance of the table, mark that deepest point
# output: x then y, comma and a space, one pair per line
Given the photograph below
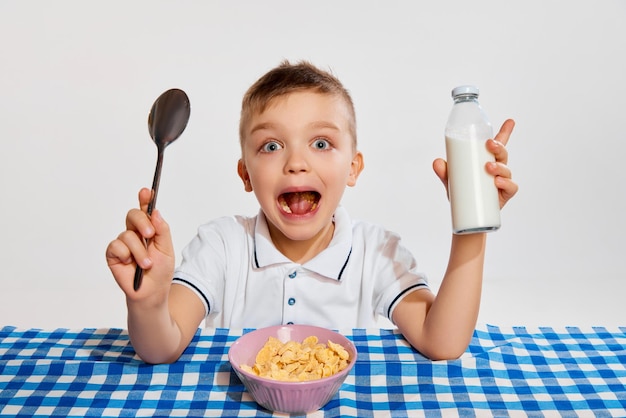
513, 371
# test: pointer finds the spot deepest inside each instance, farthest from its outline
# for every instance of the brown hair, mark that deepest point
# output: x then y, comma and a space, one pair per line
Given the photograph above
288, 78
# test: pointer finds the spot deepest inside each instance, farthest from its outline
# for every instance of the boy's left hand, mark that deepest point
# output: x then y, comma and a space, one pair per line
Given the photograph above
502, 174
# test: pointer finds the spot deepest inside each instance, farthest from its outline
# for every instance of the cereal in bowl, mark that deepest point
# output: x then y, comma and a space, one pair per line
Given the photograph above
296, 362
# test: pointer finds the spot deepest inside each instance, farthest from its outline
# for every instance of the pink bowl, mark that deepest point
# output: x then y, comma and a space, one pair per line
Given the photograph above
288, 397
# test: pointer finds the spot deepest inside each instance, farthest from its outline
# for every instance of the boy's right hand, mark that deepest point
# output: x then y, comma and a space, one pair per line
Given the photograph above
157, 259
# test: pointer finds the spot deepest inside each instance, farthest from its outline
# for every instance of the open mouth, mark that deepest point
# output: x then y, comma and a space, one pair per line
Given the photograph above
299, 203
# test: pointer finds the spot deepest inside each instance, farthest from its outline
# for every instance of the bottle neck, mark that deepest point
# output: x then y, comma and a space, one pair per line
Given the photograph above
461, 98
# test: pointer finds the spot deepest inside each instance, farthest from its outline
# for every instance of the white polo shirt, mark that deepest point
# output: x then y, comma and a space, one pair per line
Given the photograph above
245, 282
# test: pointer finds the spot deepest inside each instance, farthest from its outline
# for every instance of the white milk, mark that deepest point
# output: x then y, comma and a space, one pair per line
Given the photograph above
473, 194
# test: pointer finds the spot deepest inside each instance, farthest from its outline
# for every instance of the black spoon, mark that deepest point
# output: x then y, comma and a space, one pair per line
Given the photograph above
167, 120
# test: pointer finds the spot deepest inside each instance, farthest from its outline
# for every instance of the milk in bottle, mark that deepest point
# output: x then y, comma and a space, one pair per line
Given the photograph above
473, 195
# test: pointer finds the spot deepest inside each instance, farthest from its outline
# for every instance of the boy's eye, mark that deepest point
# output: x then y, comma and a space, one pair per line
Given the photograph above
321, 144
271, 146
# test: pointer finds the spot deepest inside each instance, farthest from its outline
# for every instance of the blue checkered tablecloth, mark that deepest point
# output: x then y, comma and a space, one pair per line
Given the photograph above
505, 372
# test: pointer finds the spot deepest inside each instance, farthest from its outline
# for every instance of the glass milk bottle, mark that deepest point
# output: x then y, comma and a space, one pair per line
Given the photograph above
473, 195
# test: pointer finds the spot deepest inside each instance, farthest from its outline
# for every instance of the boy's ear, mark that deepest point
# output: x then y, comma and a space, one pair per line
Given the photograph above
243, 173
356, 167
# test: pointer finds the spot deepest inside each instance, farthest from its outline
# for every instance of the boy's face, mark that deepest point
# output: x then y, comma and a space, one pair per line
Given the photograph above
298, 156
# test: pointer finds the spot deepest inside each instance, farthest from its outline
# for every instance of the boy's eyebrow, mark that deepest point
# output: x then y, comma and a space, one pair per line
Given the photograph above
317, 124
324, 124
261, 126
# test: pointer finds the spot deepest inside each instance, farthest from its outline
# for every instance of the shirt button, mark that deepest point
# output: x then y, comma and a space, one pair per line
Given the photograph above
291, 301
293, 275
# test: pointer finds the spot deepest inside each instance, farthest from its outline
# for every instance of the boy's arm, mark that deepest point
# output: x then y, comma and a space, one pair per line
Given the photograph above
162, 318
441, 327
160, 333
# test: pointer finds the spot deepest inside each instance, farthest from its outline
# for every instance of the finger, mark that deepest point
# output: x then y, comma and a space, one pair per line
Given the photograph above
507, 187
505, 131
136, 248
440, 166
138, 221
162, 238
145, 195
118, 253
498, 150
499, 170
441, 170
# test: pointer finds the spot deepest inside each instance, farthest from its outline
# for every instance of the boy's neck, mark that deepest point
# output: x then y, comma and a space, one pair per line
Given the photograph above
301, 251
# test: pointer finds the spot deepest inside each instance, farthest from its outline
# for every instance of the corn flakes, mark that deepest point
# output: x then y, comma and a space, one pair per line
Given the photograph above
296, 362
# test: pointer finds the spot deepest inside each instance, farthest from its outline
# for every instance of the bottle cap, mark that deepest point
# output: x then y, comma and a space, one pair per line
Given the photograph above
464, 91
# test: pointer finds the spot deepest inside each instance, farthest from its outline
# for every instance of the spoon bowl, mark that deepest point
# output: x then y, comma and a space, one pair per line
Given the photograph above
166, 122
168, 117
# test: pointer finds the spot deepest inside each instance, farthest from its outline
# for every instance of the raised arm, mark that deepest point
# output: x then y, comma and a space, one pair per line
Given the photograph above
162, 318
441, 326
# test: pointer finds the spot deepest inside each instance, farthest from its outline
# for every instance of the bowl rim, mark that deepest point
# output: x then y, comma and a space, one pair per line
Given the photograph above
237, 367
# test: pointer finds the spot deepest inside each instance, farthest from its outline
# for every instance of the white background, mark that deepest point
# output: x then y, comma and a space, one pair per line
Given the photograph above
77, 80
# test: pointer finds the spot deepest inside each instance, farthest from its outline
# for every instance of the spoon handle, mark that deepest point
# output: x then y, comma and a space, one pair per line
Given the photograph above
151, 205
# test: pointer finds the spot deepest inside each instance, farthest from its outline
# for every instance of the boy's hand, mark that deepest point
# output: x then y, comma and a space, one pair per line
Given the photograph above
129, 249
502, 174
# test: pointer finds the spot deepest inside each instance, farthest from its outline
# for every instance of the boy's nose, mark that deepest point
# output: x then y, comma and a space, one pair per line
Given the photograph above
296, 162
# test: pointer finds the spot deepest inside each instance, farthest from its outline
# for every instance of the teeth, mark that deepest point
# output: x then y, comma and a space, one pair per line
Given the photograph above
298, 198
285, 206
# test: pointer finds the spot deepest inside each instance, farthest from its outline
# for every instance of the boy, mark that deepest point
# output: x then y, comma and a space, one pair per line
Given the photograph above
301, 259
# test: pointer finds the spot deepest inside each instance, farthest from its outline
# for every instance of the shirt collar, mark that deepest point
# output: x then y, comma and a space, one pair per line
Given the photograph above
330, 263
